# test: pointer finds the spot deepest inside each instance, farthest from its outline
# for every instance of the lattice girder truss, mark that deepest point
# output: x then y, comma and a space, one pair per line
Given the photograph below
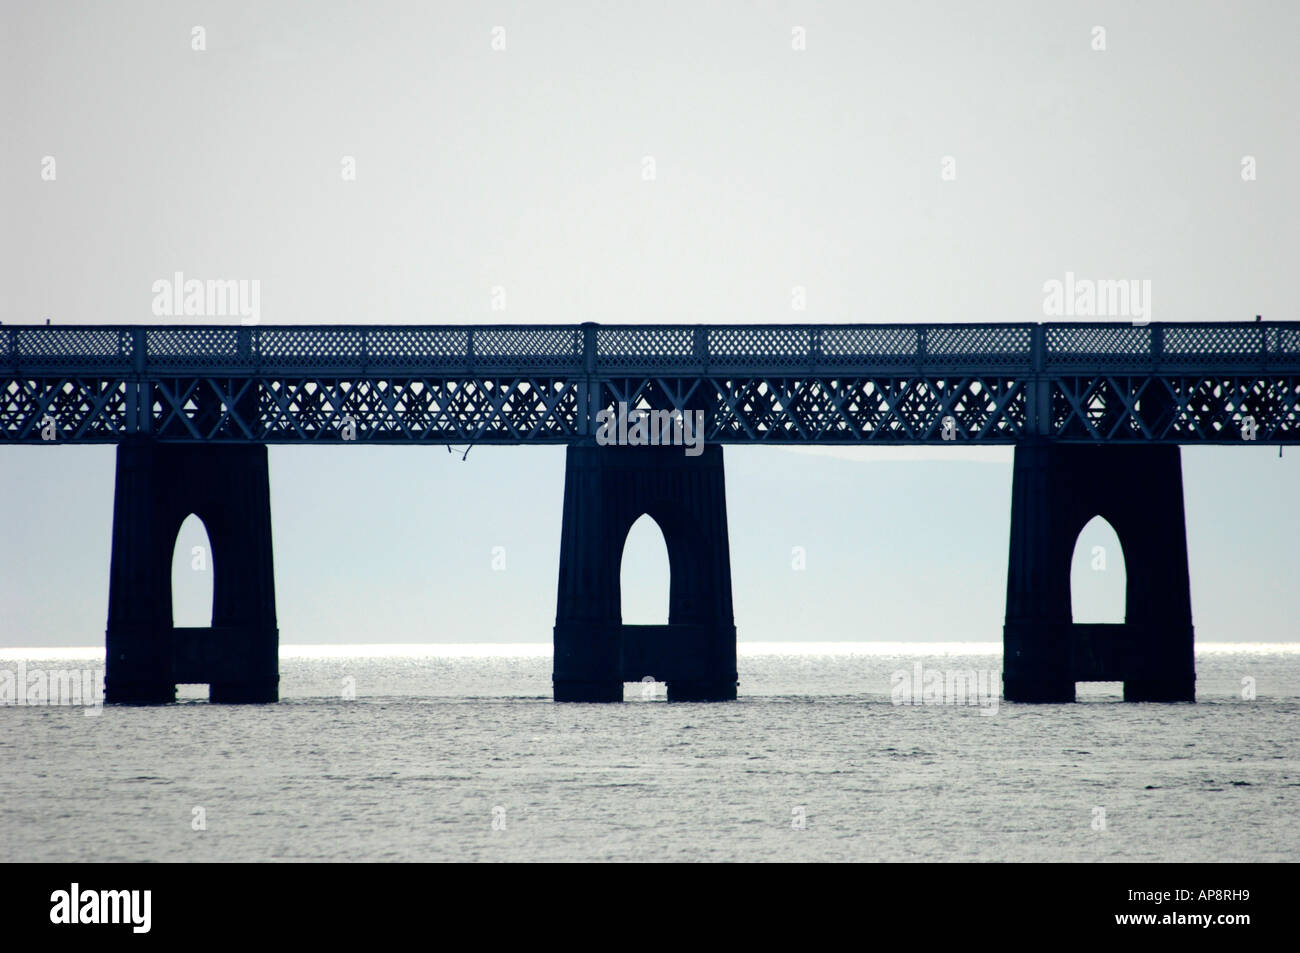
993, 408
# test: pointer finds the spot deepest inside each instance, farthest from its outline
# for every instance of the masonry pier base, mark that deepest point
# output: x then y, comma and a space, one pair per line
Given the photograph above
606, 489
237, 656
1056, 490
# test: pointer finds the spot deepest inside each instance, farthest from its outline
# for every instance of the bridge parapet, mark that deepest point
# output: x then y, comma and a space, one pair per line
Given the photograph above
650, 348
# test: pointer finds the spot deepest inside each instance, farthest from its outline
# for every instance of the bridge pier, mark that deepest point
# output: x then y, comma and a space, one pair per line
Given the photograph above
228, 488
1056, 490
606, 489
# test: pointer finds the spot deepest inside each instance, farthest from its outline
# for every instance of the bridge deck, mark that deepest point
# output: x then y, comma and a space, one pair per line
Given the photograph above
840, 384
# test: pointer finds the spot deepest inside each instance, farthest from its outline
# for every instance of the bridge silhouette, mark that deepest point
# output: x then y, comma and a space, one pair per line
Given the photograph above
1096, 412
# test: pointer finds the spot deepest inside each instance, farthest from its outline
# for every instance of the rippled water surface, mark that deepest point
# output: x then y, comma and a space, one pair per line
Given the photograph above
440, 741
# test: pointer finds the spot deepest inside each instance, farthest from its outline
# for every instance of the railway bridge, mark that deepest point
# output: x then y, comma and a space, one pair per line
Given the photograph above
1096, 412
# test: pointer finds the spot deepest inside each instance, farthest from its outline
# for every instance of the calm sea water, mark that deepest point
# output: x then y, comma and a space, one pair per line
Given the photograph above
457, 753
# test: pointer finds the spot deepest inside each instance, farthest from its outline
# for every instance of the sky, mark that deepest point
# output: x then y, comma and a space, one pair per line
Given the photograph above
669, 162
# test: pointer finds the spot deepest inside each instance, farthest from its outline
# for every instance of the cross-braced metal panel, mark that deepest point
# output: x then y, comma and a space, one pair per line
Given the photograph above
1176, 409
825, 409
337, 410
59, 409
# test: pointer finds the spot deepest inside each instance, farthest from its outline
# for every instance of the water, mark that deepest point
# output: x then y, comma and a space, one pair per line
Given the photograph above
440, 741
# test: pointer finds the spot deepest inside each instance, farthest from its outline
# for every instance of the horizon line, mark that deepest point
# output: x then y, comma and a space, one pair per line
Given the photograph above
539, 649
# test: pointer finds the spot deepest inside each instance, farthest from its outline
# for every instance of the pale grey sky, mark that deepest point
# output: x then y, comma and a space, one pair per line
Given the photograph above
522, 168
